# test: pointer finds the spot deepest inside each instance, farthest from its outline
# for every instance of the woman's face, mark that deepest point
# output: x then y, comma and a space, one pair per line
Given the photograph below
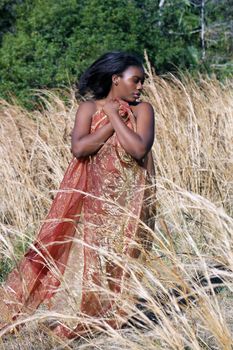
130, 83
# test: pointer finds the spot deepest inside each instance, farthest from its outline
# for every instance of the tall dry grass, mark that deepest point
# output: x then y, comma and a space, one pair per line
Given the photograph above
193, 232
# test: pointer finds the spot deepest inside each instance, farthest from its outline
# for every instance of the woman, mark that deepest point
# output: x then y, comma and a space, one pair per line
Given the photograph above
78, 263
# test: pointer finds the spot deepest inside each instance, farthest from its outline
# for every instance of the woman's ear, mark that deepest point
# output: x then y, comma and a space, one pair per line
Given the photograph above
115, 79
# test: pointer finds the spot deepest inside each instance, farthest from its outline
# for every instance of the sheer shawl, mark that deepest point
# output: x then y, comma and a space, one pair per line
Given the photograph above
93, 217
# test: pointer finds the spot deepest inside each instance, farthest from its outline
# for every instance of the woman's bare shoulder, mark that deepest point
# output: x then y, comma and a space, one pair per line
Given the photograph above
87, 106
141, 106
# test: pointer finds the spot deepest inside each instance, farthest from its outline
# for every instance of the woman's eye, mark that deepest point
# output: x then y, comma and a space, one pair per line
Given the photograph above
136, 81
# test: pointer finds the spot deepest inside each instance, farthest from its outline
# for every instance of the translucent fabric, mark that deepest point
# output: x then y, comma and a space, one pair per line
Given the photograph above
77, 264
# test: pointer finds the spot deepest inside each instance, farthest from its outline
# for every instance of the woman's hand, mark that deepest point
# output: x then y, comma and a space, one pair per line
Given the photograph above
111, 107
135, 142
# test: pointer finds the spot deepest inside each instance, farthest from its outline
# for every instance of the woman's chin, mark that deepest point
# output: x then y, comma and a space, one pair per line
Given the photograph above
131, 98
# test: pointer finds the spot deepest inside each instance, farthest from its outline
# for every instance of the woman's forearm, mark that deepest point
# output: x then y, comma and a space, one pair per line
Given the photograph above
129, 139
150, 163
91, 143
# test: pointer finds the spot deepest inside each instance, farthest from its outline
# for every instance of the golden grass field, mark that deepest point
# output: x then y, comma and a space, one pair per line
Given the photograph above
193, 152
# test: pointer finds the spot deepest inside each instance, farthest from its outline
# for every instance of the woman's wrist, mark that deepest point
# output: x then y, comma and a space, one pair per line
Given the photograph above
109, 126
113, 114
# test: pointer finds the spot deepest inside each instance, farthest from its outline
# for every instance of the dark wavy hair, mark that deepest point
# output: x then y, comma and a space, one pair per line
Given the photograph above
97, 78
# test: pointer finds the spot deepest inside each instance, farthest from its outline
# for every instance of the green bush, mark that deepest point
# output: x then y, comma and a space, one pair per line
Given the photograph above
53, 42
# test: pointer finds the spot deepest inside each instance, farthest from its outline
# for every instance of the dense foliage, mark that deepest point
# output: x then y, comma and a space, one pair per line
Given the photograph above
47, 43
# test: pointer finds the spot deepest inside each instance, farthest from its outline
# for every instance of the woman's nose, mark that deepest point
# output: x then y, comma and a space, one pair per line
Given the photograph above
139, 85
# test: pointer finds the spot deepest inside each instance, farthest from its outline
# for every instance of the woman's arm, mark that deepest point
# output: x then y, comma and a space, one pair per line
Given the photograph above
140, 142
150, 166
82, 142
